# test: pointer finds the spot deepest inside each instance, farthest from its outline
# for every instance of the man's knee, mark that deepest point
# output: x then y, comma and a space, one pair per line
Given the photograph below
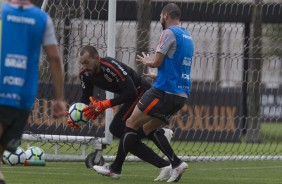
150, 127
129, 122
133, 123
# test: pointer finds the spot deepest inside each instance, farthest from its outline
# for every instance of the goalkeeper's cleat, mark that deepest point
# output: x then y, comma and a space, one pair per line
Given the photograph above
168, 133
164, 174
177, 172
105, 170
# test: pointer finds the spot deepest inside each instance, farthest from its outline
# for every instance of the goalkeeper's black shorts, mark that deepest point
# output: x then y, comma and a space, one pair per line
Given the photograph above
14, 121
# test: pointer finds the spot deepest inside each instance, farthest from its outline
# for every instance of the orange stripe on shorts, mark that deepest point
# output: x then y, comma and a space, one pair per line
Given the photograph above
151, 105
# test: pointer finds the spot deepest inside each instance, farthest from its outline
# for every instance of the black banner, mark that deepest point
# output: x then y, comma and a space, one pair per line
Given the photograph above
208, 115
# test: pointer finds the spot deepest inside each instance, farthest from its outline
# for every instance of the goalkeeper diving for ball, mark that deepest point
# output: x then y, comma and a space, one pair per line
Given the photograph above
170, 90
112, 75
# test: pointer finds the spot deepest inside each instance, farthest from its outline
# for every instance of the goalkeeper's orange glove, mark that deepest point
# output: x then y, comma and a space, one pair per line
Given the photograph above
70, 123
95, 108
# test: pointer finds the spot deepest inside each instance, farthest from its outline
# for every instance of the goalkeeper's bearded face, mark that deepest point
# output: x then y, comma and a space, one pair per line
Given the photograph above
89, 63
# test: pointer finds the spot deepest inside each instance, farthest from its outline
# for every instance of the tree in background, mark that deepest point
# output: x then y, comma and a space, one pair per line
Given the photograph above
143, 29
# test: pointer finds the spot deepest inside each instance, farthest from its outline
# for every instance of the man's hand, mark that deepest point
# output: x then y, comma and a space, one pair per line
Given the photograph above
70, 123
95, 108
58, 108
145, 59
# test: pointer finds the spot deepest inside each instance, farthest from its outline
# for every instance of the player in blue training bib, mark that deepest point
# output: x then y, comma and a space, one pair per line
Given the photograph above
24, 29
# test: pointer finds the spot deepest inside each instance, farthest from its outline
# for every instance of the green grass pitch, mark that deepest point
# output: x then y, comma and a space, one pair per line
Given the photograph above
219, 172
222, 172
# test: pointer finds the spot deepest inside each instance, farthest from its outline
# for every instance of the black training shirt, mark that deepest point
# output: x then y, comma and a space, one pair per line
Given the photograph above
115, 77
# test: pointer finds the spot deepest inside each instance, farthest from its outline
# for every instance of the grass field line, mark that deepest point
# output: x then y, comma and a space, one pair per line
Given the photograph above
238, 168
148, 169
46, 173
66, 174
232, 178
127, 175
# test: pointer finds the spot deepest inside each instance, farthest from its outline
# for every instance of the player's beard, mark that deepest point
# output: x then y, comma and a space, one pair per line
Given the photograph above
163, 24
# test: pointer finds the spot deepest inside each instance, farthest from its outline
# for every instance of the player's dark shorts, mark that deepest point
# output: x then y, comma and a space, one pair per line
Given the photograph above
14, 121
159, 104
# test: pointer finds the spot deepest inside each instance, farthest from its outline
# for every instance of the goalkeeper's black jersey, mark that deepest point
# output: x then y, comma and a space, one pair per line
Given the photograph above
115, 77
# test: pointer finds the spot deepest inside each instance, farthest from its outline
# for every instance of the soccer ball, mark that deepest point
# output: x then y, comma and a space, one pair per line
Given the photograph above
34, 153
76, 113
16, 158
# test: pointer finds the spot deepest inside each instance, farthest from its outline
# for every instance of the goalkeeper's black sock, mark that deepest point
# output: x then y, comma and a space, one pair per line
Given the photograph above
146, 154
162, 143
2, 182
126, 143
